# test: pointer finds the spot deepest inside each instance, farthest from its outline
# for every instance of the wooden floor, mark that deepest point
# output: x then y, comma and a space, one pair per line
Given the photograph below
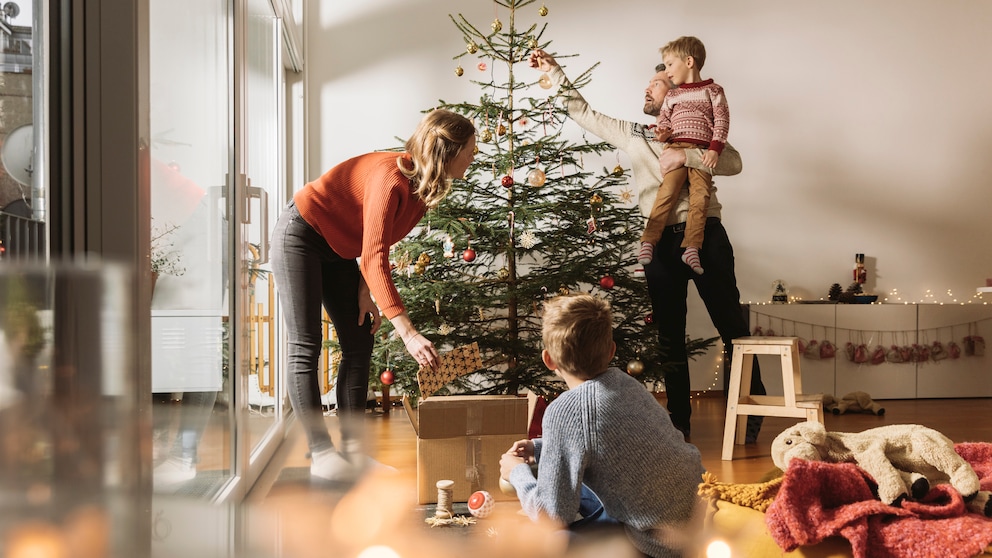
290, 514
392, 440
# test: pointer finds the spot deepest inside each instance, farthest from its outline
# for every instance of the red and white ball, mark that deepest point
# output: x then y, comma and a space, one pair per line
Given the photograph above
481, 504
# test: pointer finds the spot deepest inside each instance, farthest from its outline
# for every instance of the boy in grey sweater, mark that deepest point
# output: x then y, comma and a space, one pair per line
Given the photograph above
606, 440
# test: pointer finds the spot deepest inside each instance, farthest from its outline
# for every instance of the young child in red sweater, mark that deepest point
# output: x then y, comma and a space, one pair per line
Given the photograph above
694, 114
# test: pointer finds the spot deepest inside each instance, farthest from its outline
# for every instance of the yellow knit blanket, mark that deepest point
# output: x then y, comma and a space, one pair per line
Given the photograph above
756, 496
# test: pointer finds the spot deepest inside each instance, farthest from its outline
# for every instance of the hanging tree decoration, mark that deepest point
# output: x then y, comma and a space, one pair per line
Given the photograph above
528, 239
635, 366
511, 216
543, 10
536, 176
448, 245
627, 195
469, 254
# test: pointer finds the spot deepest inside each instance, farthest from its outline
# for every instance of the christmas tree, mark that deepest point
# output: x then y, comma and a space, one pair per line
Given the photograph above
530, 221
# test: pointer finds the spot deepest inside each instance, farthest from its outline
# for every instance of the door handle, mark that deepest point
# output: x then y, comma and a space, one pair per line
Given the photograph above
263, 209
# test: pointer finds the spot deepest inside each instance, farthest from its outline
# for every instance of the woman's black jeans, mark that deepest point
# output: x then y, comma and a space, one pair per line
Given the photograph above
310, 275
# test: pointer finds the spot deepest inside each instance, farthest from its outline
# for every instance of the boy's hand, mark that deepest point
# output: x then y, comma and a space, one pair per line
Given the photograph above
523, 449
662, 134
507, 463
710, 158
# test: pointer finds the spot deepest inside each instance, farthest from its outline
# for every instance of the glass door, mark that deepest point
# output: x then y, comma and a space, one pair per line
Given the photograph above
263, 117
194, 402
218, 180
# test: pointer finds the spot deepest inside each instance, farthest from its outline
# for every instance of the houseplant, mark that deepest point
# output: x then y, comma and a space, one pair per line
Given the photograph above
166, 259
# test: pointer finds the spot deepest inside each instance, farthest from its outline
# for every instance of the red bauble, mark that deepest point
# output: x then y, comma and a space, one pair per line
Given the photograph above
606, 282
649, 319
387, 377
468, 255
507, 181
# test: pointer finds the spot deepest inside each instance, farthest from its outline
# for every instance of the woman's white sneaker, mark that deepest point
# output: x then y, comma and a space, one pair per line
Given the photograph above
331, 465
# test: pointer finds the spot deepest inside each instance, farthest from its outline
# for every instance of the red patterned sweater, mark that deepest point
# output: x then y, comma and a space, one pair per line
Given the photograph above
362, 207
697, 113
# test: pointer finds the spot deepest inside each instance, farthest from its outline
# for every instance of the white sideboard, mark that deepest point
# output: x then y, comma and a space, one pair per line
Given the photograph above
885, 325
187, 351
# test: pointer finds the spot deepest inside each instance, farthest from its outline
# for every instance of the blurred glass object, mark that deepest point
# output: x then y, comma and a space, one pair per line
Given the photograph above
69, 423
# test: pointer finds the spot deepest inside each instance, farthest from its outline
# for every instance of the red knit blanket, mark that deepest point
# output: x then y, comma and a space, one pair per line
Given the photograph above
819, 500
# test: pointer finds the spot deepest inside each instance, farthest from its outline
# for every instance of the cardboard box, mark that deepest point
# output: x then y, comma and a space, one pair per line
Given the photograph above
461, 438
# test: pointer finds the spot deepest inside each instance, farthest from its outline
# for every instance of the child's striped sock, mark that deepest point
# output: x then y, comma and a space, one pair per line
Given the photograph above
646, 254
691, 259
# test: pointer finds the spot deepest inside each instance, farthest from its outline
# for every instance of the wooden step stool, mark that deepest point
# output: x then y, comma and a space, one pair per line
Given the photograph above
740, 402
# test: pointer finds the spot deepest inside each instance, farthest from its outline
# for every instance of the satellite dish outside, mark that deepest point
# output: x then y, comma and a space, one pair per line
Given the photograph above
17, 153
11, 10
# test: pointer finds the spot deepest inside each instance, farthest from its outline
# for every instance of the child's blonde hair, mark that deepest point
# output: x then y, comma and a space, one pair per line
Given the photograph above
441, 135
684, 47
577, 332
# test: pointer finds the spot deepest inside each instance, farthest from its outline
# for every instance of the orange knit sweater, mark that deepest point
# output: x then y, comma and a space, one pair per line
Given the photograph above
362, 207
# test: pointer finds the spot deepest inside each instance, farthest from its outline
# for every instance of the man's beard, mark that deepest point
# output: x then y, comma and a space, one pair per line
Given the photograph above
651, 108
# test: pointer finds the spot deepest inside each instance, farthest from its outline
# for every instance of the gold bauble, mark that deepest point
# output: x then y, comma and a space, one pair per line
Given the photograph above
545, 81
618, 171
532, 43
487, 135
503, 273
501, 130
471, 48
635, 367
563, 290
536, 178
459, 71
497, 25
543, 10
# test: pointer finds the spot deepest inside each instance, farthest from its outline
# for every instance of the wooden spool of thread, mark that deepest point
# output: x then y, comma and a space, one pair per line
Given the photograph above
445, 494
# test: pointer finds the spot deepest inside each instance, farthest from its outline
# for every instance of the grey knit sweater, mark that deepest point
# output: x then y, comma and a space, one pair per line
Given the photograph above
610, 434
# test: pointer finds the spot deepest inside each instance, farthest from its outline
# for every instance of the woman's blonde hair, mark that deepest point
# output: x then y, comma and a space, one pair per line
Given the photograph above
440, 136
577, 332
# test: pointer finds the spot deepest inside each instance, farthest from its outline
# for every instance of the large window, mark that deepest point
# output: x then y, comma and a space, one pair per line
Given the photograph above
22, 187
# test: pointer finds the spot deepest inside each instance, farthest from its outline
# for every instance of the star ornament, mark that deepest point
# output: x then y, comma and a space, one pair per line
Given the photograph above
627, 195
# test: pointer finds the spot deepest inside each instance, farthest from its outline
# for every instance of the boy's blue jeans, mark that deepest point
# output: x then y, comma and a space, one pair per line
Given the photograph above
593, 514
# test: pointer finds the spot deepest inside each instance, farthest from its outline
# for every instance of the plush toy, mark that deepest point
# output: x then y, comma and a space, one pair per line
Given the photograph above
856, 402
904, 459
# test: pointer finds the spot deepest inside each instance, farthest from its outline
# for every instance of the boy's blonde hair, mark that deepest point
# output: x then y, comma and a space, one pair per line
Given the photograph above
684, 47
577, 331
438, 138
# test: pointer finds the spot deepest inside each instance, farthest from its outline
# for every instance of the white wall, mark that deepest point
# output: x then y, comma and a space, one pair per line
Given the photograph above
863, 125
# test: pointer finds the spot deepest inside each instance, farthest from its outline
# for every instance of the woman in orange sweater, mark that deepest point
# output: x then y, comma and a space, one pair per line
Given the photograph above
330, 249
